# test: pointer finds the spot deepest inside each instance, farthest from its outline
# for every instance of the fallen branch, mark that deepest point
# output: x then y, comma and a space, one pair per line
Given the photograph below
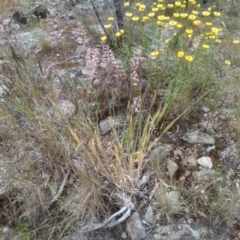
60, 191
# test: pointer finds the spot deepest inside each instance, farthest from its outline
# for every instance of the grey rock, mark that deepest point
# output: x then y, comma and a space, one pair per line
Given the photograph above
19, 17
172, 167
110, 123
135, 228
205, 175
198, 137
149, 215
205, 162
160, 153
189, 161
66, 108
179, 231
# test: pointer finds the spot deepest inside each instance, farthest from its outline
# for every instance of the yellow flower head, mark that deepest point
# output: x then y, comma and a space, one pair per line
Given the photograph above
189, 31
189, 58
160, 23
227, 62
212, 37
196, 23
166, 41
137, 4
135, 19
218, 41
216, 14
208, 24
154, 53
145, 18
183, 15
121, 31
236, 41
161, 18
161, 1
194, 12
205, 46
214, 30
111, 19
128, 14
180, 54
170, 6
118, 34
126, 4
166, 18
152, 14
172, 23
176, 15
209, 9
155, 9
104, 38
183, 6
179, 25
107, 26
178, 4
206, 13
191, 17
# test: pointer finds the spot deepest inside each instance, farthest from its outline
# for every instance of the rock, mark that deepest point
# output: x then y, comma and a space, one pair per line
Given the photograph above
149, 215
205, 109
198, 137
189, 161
205, 162
124, 235
205, 175
172, 167
135, 228
110, 123
179, 231
66, 107
19, 17
172, 200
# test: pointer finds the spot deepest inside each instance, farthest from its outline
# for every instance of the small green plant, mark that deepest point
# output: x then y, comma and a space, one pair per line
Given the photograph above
23, 231
44, 41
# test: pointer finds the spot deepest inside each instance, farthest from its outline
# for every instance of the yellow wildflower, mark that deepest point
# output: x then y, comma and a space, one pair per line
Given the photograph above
176, 15
167, 41
118, 34
145, 18
179, 25
104, 38
135, 19
196, 23
218, 41
166, 18
121, 31
161, 1
183, 6
111, 19
177, 4
170, 6
215, 30
183, 15
160, 23
189, 58
209, 9
189, 35
154, 53
236, 41
208, 24
128, 14
161, 18
126, 4
107, 26
194, 12
152, 14
180, 54
137, 4
205, 46
155, 9
211, 37
227, 62
172, 23
189, 31
191, 17
216, 14
206, 13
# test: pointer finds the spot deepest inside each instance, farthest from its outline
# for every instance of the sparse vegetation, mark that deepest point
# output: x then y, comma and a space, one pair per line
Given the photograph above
148, 79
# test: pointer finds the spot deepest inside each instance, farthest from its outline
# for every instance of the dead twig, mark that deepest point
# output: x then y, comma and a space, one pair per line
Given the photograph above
60, 191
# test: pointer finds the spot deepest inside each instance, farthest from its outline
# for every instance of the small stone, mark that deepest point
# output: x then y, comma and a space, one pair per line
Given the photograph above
67, 108
124, 235
205, 162
149, 215
198, 137
190, 161
205, 109
135, 228
110, 123
172, 167
157, 237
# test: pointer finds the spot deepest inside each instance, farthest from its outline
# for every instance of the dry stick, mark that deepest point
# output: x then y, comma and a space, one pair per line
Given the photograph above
99, 19
153, 191
55, 199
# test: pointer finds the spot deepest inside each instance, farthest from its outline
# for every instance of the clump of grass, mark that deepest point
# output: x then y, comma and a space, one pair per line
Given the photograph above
44, 41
